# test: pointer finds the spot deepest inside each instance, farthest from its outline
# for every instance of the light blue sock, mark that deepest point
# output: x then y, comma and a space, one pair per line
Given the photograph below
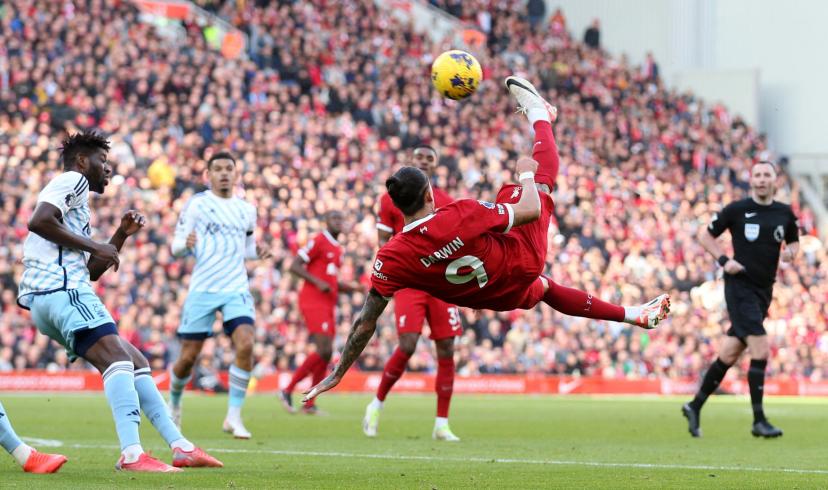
177, 388
119, 386
239, 379
152, 403
8, 438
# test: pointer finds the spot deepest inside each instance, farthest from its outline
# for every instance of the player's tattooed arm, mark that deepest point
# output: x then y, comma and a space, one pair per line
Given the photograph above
361, 332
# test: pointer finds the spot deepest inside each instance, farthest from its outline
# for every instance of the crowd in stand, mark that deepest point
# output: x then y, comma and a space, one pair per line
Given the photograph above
329, 101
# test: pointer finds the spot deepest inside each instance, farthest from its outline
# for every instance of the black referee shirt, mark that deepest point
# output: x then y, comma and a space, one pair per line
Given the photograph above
757, 232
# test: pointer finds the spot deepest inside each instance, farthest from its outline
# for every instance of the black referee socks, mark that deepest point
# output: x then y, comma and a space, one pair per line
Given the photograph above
711, 381
756, 381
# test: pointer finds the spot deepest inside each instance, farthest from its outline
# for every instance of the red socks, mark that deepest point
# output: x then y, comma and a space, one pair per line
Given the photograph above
319, 373
444, 385
307, 367
578, 303
394, 369
545, 152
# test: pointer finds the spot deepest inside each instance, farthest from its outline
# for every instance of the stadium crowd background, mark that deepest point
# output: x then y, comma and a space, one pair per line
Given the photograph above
331, 98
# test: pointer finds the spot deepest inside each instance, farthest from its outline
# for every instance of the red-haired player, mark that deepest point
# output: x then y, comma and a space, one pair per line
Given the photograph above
413, 307
468, 253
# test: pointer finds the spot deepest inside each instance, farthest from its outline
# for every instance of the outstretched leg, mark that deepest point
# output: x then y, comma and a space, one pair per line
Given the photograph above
540, 114
574, 302
545, 152
579, 303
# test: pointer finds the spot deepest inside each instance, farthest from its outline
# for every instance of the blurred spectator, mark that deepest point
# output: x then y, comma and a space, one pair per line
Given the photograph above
650, 68
592, 36
536, 10
558, 22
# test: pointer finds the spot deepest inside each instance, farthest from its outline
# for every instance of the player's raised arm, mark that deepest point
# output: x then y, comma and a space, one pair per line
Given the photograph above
528, 208
131, 222
387, 218
361, 332
383, 237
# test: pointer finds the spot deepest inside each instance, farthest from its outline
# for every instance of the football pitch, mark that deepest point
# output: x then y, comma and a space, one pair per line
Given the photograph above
507, 442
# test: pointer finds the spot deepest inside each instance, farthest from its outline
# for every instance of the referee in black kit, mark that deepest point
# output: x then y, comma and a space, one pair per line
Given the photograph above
758, 225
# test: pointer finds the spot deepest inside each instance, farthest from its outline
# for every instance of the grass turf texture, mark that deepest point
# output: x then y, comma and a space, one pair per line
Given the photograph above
507, 442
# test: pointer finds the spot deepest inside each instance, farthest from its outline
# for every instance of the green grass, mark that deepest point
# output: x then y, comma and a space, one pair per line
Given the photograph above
508, 442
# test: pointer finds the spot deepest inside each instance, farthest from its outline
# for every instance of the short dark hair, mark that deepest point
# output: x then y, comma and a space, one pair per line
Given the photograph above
767, 162
407, 188
222, 155
81, 144
425, 147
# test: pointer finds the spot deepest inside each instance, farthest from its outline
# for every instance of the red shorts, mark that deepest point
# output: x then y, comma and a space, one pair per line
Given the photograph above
531, 248
319, 318
412, 307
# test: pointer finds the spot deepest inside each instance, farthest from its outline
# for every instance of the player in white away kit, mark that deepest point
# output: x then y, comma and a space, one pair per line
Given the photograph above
218, 229
60, 259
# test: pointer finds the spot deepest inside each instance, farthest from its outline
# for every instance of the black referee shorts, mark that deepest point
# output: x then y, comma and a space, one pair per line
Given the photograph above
747, 306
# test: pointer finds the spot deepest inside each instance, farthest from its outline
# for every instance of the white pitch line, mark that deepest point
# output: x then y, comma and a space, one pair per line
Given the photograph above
552, 462
34, 441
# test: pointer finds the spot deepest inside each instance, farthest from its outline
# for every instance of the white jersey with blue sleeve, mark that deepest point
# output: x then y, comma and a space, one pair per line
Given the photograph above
49, 267
224, 230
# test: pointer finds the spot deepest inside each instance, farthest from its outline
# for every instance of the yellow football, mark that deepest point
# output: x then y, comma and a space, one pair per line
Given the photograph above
456, 74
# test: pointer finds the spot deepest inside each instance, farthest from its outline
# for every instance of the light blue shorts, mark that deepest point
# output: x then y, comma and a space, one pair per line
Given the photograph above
60, 315
200, 313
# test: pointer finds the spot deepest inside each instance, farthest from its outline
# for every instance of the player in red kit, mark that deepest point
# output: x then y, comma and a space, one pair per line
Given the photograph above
480, 254
411, 308
318, 264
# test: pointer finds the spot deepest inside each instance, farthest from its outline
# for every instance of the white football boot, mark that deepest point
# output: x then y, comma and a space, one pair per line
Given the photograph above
652, 313
528, 99
370, 421
444, 433
236, 427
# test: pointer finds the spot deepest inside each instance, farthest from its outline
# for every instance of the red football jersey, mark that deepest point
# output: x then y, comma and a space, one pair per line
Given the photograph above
322, 256
391, 219
461, 254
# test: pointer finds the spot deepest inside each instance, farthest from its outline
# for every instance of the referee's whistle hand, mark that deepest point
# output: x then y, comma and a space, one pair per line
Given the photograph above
733, 267
788, 256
